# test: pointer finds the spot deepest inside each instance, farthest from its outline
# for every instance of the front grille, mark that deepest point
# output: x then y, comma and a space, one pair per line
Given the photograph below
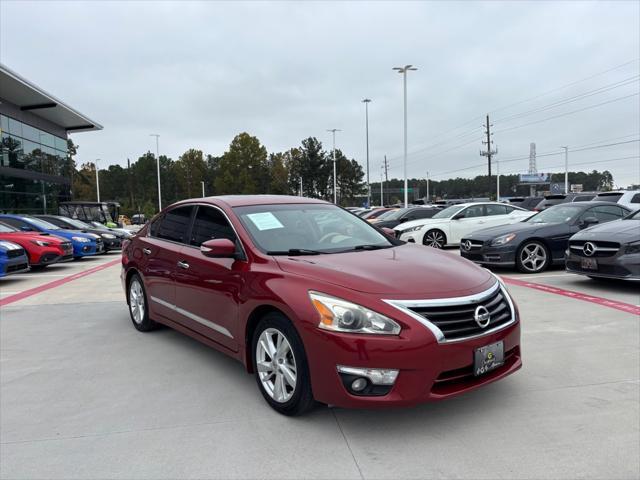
602, 249
470, 245
17, 252
457, 321
17, 267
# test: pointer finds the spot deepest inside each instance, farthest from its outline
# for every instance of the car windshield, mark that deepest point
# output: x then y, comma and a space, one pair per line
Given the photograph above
448, 212
308, 229
42, 224
562, 213
76, 223
7, 229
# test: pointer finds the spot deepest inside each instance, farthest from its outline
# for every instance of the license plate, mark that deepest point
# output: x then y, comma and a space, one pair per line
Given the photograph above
589, 263
488, 358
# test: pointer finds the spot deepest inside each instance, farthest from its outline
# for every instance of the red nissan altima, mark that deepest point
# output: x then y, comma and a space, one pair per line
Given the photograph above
320, 305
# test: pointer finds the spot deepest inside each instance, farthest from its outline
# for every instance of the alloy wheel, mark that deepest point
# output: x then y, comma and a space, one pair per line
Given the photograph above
434, 238
276, 365
533, 257
136, 301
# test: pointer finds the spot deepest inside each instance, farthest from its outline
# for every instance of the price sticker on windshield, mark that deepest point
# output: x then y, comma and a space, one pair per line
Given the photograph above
265, 221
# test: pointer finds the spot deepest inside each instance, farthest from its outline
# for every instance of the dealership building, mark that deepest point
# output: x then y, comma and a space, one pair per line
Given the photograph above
35, 167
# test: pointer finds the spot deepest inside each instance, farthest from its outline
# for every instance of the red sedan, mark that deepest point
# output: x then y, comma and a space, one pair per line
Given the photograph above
41, 249
320, 305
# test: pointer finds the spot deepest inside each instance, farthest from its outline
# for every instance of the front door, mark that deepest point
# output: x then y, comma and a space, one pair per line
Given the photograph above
470, 219
208, 289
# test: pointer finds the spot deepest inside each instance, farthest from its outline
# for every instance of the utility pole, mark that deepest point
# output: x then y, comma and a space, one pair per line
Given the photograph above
366, 102
97, 181
497, 181
335, 183
381, 189
386, 178
158, 168
202, 188
488, 153
566, 169
403, 71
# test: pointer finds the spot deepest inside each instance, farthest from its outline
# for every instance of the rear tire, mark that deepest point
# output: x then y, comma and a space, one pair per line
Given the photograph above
280, 366
434, 238
138, 307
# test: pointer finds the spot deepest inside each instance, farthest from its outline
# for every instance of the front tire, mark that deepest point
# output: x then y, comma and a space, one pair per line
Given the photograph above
138, 310
280, 366
533, 257
434, 238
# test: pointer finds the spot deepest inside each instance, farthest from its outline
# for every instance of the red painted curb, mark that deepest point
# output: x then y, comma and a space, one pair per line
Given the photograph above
625, 307
56, 283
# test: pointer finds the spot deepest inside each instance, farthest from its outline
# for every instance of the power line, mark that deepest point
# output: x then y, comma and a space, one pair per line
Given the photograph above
585, 163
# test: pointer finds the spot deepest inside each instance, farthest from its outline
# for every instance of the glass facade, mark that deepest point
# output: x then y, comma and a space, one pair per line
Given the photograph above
44, 169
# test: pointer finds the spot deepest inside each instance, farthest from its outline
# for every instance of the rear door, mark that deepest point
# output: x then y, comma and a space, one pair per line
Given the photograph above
208, 289
158, 258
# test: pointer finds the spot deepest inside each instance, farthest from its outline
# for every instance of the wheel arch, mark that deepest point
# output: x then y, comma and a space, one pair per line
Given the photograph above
130, 273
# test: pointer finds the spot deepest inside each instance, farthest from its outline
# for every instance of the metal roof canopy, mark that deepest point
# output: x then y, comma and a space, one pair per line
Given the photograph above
29, 97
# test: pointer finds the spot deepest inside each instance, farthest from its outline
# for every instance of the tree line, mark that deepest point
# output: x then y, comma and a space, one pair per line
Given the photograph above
247, 168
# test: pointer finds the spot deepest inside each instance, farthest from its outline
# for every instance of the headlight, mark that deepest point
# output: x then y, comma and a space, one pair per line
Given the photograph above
80, 239
342, 316
412, 229
502, 239
108, 235
632, 248
40, 243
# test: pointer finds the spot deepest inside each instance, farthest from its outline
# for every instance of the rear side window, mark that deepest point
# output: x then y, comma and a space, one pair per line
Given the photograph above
210, 223
635, 198
496, 210
174, 224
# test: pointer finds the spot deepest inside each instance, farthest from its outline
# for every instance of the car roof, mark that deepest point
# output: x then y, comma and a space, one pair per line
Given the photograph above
247, 200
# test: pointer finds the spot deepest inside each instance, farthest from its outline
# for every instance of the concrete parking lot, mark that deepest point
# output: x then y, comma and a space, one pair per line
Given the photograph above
84, 395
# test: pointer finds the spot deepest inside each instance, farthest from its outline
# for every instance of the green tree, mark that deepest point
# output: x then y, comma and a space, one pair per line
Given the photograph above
189, 171
242, 168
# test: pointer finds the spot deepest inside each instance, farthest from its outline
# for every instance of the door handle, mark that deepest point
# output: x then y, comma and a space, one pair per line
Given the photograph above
146, 251
184, 265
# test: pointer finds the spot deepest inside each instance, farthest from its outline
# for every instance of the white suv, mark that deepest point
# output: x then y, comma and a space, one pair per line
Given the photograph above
448, 226
627, 198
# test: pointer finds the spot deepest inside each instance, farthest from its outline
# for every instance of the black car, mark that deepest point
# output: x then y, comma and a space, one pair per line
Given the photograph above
540, 240
528, 203
607, 251
111, 240
405, 215
551, 200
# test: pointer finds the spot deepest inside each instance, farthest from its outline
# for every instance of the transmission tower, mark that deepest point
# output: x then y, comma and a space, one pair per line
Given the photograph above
532, 158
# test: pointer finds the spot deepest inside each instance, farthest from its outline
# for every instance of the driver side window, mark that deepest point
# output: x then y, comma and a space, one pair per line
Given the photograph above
473, 211
210, 223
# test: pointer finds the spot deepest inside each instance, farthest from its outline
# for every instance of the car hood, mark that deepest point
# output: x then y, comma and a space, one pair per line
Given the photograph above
72, 233
518, 227
617, 227
423, 221
45, 237
404, 271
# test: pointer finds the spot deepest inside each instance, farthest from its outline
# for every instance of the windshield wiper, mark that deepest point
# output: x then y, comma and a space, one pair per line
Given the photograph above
295, 251
368, 247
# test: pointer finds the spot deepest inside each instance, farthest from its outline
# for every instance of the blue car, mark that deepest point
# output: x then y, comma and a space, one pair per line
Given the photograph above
13, 258
84, 244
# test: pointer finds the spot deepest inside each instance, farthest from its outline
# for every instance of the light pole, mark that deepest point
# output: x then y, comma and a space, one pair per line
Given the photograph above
202, 183
97, 180
428, 197
366, 102
158, 167
498, 181
335, 183
566, 169
403, 71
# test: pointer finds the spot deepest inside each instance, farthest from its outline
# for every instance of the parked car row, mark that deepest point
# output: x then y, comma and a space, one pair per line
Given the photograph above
628, 198
43, 240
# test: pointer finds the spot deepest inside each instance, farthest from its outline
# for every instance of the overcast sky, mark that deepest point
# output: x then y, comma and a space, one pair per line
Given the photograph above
199, 73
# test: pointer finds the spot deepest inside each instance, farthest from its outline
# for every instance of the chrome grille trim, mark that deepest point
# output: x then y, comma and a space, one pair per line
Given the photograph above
406, 305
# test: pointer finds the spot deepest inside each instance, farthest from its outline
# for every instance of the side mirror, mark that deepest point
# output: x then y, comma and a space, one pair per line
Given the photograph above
457, 216
390, 232
218, 248
587, 222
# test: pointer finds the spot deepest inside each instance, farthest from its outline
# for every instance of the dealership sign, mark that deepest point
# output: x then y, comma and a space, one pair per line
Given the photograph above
535, 177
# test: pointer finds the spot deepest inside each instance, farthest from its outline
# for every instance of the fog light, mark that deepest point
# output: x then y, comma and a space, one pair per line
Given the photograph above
377, 376
359, 384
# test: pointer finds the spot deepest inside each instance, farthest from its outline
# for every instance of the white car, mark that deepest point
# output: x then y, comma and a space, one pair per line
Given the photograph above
448, 226
627, 198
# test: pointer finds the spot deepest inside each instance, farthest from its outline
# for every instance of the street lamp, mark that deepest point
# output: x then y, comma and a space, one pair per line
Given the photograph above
97, 180
335, 183
158, 167
403, 71
366, 102
566, 169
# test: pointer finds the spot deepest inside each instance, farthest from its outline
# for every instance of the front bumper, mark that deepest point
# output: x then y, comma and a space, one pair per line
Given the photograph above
84, 249
620, 266
501, 256
14, 265
112, 244
429, 370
